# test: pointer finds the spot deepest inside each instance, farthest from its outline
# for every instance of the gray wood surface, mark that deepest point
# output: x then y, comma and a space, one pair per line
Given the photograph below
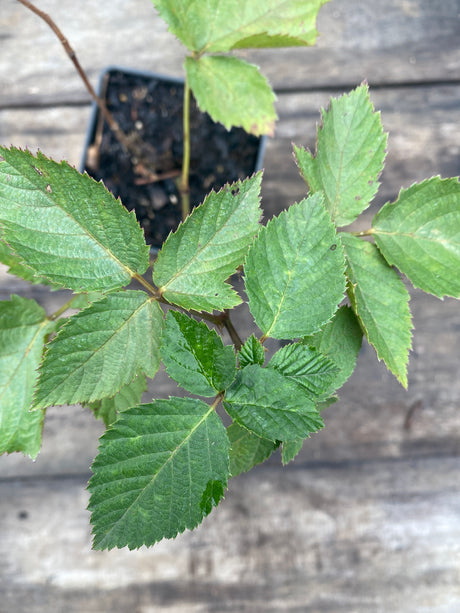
397, 41
367, 518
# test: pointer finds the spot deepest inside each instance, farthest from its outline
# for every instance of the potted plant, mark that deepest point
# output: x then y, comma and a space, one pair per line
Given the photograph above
309, 283
151, 106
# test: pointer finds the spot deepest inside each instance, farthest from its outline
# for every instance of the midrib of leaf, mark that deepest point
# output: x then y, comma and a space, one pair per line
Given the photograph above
414, 236
339, 177
85, 230
283, 296
369, 312
244, 26
202, 371
181, 271
26, 353
154, 478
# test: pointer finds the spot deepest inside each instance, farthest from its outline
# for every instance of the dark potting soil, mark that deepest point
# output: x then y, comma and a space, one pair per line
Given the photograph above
153, 108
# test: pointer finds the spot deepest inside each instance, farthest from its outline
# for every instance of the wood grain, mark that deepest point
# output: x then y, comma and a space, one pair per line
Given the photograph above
356, 537
403, 41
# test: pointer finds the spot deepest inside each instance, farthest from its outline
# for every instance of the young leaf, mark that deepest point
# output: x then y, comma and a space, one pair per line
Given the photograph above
308, 367
23, 327
247, 449
290, 449
216, 26
340, 340
195, 356
349, 158
156, 472
129, 396
271, 405
381, 302
420, 234
195, 261
233, 93
252, 352
65, 226
83, 364
295, 271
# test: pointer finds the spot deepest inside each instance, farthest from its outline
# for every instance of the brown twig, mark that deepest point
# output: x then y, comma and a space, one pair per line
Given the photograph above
228, 325
129, 143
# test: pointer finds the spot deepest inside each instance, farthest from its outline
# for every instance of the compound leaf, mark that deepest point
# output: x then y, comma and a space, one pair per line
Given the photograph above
252, 352
271, 405
101, 349
420, 235
308, 367
247, 450
129, 396
349, 158
233, 92
195, 261
157, 472
195, 356
294, 271
215, 26
23, 328
66, 227
340, 340
381, 303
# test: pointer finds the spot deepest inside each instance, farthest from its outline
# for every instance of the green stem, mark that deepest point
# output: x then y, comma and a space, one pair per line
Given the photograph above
62, 309
151, 290
369, 232
184, 183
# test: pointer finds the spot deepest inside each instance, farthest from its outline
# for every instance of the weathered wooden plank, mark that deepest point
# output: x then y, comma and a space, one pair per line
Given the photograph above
383, 42
354, 538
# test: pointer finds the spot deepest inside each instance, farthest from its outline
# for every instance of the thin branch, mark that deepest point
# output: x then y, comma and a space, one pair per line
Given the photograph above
65, 307
228, 325
369, 232
129, 143
184, 187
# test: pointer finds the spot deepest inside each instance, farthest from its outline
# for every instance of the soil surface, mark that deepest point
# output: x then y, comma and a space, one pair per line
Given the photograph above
151, 108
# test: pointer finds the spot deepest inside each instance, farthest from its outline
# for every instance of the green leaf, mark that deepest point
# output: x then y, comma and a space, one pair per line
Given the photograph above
290, 449
212, 495
233, 92
252, 352
65, 226
215, 26
420, 234
129, 396
381, 302
195, 356
23, 328
247, 449
156, 471
16, 267
195, 261
340, 340
349, 158
271, 405
82, 301
101, 349
295, 271
308, 367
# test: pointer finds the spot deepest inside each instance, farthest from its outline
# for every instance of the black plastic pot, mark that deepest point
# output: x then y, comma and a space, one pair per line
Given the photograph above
151, 105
